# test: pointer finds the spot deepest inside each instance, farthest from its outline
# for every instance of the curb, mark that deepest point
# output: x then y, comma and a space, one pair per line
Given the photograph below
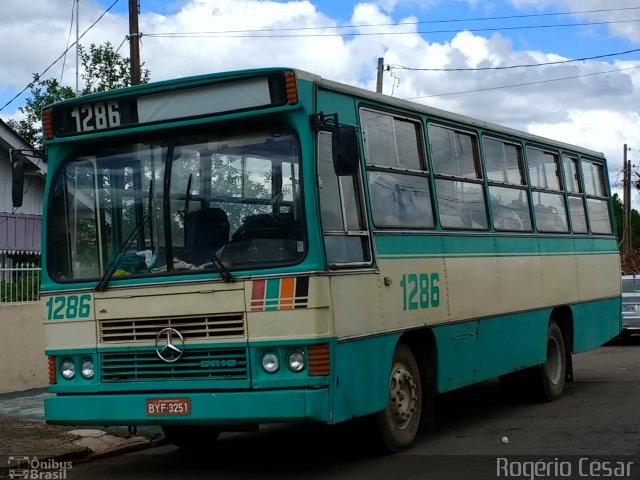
122, 450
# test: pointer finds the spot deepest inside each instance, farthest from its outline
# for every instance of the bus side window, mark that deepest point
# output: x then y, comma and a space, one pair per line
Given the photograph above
578, 215
458, 172
550, 212
399, 200
597, 203
346, 237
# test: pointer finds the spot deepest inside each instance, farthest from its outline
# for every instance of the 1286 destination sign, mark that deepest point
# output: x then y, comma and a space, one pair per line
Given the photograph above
94, 117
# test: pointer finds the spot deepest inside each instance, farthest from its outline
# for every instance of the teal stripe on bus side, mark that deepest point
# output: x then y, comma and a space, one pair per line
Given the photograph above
408, 246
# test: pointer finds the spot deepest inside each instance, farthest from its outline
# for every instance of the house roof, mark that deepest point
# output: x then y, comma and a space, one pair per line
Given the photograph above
10, 139
20, 233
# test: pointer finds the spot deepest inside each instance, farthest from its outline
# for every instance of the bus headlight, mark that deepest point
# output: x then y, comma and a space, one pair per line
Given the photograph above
270, 362
67, 369
87, 370
295, 361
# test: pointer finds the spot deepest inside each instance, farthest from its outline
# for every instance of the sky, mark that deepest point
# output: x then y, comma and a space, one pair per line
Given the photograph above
581, 82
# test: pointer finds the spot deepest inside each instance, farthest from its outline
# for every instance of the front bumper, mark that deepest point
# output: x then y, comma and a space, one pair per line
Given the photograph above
215, 408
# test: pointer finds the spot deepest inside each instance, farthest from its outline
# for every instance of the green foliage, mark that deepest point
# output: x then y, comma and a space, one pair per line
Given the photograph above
618, 212
102, 68
25, 288
43, 93
635, 222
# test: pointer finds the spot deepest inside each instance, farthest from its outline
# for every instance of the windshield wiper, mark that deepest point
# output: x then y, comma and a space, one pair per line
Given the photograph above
106, 276
225, 273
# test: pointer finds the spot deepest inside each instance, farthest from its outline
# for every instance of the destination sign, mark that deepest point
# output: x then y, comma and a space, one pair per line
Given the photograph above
213, 99
94, 117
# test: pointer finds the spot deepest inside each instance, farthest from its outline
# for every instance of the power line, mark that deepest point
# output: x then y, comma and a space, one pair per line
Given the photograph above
426, 22
64, 60
527, 65
38, 76
241, 34
522, 84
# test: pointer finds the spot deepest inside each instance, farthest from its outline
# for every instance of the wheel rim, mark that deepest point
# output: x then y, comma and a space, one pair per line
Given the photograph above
553, 364
403, 395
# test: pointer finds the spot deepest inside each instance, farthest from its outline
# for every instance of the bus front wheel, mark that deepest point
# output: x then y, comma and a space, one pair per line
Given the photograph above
398, 423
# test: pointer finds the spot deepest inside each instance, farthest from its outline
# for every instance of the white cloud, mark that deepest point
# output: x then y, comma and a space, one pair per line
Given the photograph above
605, 131
613, 10
170, 57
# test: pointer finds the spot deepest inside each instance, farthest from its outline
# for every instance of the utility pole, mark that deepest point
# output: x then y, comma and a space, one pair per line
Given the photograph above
77, 48
379, 78
626, 216
134, 42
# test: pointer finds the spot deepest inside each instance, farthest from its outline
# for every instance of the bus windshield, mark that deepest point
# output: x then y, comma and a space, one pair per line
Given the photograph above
179, 204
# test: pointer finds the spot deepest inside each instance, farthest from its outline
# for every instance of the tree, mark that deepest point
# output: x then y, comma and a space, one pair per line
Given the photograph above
635, 222
43, 93
102, 68
618, 212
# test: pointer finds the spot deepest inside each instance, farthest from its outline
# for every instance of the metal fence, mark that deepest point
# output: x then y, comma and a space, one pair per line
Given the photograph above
19, 282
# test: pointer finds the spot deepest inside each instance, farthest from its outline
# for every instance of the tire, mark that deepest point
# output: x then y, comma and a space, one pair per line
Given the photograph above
552, 373
544, 382
399, 422
194, 438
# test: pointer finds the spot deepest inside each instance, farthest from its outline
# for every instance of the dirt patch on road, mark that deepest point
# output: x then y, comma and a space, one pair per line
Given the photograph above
32, 438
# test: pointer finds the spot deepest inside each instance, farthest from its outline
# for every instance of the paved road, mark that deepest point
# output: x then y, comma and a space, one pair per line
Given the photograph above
599, 415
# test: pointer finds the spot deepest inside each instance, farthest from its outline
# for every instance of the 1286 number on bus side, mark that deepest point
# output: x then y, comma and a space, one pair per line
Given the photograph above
420, 290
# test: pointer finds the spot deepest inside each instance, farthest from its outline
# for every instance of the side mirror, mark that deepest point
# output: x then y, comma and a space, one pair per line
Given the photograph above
346, 154
17, 183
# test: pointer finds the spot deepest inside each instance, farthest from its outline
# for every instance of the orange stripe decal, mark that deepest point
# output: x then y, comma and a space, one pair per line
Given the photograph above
287, 289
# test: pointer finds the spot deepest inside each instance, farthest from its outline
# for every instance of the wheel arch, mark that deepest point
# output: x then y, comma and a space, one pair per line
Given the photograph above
422, 343
563, 316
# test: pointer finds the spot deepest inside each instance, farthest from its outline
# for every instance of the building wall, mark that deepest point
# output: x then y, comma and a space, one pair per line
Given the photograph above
24, 364
33, 188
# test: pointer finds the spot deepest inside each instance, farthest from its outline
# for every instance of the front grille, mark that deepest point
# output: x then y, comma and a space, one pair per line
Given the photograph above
146, 329
196, 364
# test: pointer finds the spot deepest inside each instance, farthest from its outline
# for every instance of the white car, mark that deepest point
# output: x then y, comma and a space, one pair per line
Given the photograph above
630, 304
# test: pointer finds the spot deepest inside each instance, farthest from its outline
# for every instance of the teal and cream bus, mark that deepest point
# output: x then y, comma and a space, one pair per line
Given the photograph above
268, 246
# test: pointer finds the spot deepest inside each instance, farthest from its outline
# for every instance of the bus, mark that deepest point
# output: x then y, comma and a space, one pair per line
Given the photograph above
269, 246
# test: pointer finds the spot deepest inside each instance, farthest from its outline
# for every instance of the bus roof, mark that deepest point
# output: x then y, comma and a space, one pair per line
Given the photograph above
443, 114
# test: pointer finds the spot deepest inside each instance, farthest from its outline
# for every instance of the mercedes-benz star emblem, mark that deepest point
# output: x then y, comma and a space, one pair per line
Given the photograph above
169, 345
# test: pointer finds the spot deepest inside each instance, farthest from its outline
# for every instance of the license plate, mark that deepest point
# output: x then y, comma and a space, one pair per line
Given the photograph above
168, 406
629, 308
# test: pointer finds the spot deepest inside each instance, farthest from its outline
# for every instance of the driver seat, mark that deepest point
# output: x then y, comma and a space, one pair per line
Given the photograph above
205, 231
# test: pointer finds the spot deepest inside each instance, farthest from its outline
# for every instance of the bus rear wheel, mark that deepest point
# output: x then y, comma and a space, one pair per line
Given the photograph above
398, 423
195, 438
552, 373
543, 382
